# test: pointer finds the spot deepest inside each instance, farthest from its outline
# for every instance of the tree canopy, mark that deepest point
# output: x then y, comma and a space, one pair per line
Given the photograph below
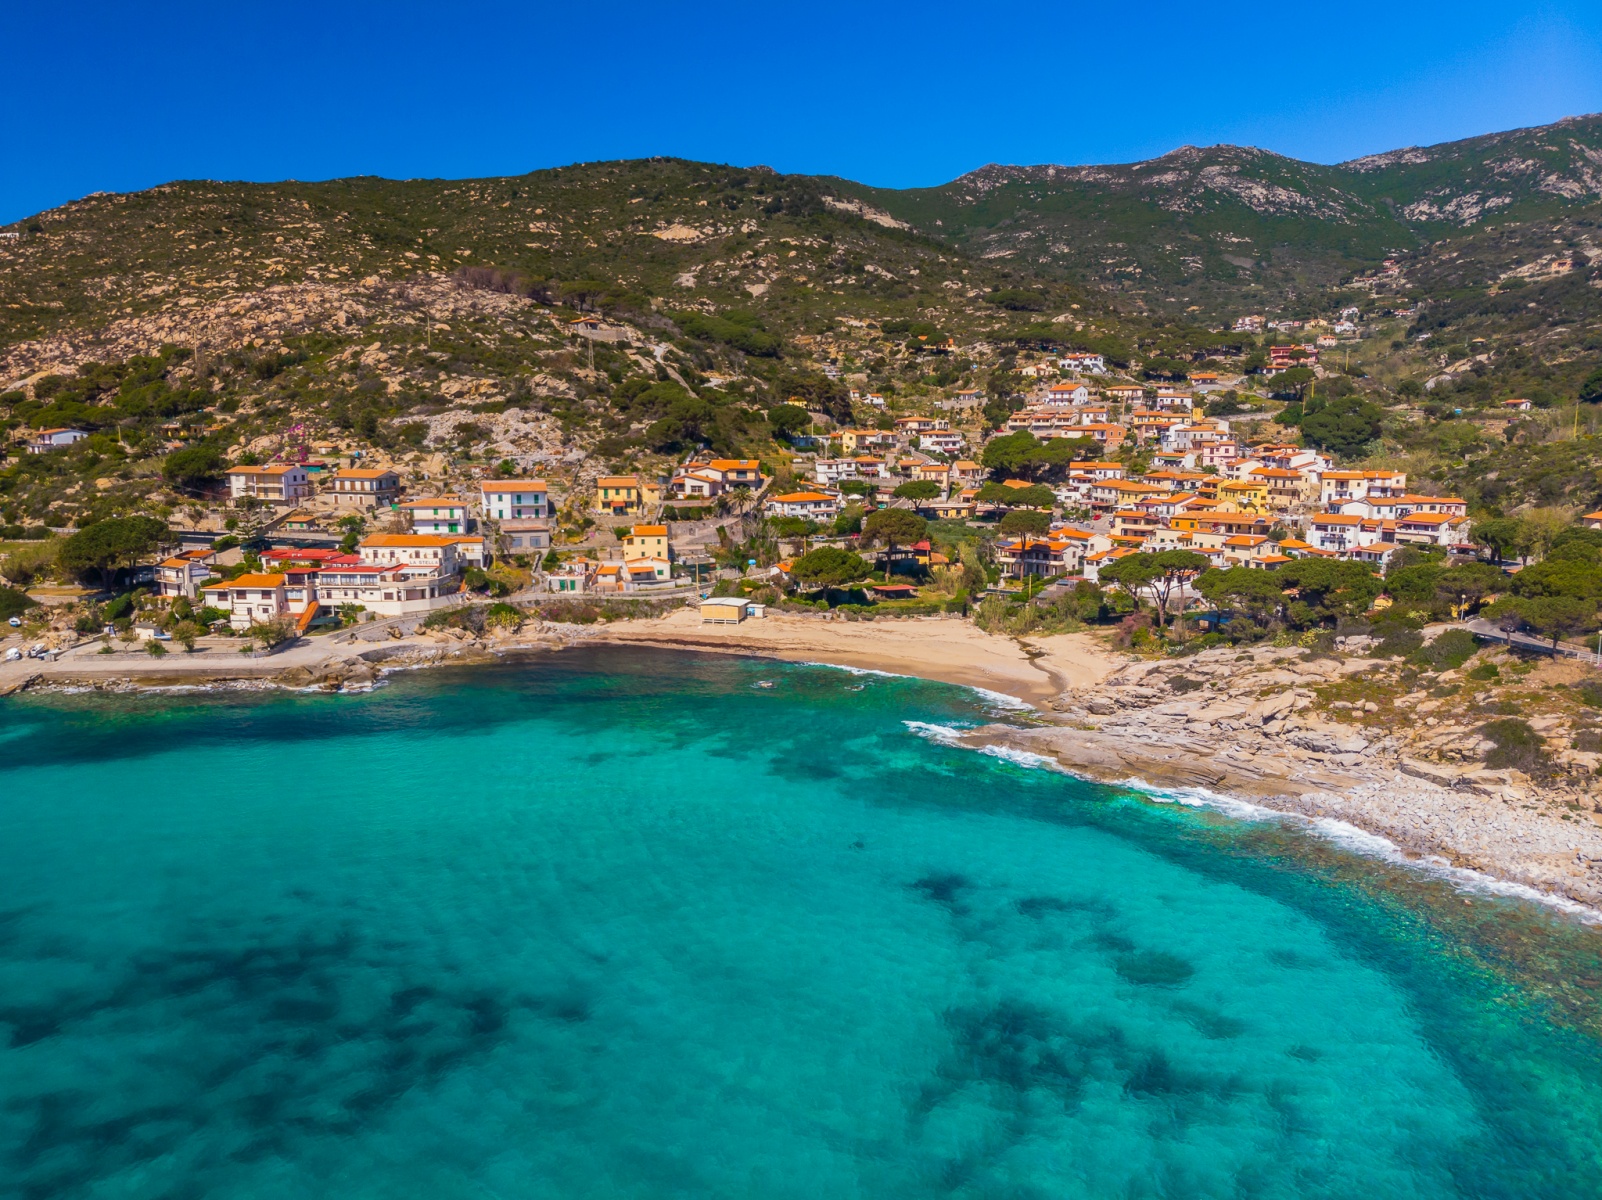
828, 567
1024, 455
108, 546
894, 526
787, 420
1345, 426
1025, 520
918, 489
193, 466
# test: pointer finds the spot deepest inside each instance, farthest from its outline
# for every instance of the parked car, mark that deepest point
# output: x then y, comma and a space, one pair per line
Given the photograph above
15, 622
14, 654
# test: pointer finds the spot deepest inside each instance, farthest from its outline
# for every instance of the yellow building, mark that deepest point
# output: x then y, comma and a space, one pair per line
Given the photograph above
618, 495
1250, 495
646, 541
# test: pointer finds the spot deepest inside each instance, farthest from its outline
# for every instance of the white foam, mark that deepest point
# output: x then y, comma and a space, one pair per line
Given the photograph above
854, 670
1002, 700
996, 699
1342, 833
1022, 758
945, 735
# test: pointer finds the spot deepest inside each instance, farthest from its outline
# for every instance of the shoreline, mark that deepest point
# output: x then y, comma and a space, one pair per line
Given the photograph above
1095, 718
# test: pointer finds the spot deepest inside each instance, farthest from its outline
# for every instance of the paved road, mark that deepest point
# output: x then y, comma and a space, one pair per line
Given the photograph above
1491, 631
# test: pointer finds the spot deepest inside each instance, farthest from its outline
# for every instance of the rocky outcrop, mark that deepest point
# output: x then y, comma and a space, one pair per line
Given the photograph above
1264, 724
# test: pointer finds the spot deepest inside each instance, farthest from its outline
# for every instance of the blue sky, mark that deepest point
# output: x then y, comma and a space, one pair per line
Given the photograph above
116, 97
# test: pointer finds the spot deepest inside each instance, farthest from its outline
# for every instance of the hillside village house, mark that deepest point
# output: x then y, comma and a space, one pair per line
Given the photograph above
437, 514
251, 599
1061, 395
422, 553
646, 541
1335, 487
363, 487
620, 495
54, 439
817, 506
574, 577
182, 574
1517, 405
1079, 360
941, 441
276, 483
1432, 529
515, 499
734, 472
522, 509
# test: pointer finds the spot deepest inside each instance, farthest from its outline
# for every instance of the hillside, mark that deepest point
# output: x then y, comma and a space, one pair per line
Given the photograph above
1231, 229
433, 320
413, 314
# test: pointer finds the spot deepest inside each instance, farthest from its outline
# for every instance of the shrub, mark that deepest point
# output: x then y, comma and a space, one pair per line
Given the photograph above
1487, 671
1447, 652
118, 608
1184, 683
26, 564
1396, 641
14, 603
155, 649
1518, 746
503, 616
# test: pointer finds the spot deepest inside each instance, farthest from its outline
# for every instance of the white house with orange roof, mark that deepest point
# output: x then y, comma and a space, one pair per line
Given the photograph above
54, 439
417, 553
250, 599
817, 506
1432, 529
275, 483
1062, 395
438, 514
1337, 487
522, 509
183, 573
942, 441
514, 499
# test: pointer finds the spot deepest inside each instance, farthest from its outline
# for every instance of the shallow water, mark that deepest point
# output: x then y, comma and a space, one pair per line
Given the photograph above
622, 923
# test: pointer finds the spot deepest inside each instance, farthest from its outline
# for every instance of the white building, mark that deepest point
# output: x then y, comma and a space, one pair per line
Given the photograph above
277, 483
438, 514
54, 439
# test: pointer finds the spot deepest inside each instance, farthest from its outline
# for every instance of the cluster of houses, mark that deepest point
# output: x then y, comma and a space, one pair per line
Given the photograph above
391, 574
1227, 515
1204, 489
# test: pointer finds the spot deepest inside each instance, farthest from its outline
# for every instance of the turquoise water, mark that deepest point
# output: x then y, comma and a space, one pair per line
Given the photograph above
630, 924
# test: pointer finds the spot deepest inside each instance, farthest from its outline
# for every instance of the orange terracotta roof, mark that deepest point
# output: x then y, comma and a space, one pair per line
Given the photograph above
249, 581
417, 540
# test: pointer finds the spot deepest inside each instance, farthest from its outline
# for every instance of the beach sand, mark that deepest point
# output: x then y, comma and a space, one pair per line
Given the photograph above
952, 651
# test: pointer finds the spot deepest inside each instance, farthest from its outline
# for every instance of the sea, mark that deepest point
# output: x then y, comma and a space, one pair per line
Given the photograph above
624, 922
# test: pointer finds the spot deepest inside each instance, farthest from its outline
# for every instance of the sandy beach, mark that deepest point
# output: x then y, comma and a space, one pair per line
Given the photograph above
951, 651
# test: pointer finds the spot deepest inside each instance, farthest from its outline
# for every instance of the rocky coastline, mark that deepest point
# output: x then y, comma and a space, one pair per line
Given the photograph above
1269, 726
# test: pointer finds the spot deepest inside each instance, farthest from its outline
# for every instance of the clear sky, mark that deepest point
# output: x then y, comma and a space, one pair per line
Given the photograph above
121, 96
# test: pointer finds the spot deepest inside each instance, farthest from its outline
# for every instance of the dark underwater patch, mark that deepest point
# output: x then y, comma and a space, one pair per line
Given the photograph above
1154, 968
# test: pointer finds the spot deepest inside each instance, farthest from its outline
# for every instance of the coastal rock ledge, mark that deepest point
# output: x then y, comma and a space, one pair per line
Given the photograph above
1330, 736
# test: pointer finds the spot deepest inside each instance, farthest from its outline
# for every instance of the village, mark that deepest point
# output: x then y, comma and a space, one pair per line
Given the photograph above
1089, 467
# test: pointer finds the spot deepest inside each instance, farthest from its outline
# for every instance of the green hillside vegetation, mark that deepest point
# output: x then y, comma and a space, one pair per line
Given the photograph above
200, 324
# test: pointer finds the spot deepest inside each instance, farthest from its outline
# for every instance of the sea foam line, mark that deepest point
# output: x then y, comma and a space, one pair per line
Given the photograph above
1344, 834
995, 699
